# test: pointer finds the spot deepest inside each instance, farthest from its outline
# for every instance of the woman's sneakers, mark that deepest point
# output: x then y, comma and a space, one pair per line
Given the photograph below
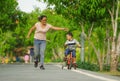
42, 67
36, 64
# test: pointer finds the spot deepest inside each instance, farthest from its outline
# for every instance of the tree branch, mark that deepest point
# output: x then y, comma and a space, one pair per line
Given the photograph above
116, 18
112, 18
90, 31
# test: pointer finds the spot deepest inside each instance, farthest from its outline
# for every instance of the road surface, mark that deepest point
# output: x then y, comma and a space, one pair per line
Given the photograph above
53, 72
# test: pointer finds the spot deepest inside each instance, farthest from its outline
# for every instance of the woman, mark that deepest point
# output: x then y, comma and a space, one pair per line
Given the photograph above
41, 29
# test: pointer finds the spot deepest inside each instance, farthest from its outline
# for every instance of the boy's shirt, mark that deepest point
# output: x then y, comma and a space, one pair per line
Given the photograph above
71, 44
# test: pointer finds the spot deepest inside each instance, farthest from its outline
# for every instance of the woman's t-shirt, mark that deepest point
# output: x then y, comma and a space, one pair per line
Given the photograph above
40, 33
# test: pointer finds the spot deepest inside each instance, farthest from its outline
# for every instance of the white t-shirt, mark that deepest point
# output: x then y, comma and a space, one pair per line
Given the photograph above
71, 44
40, 33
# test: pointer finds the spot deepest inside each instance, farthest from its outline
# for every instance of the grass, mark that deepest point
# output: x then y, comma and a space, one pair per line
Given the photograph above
112, 73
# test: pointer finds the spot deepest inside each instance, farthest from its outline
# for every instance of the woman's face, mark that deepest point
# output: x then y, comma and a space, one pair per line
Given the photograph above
44, 20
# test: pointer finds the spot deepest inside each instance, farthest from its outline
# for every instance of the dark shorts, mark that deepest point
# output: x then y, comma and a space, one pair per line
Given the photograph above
68, 51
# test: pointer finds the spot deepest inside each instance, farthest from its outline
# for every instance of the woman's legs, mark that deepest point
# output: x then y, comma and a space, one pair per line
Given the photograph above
39, 49
42, 51
36, 49
36, 52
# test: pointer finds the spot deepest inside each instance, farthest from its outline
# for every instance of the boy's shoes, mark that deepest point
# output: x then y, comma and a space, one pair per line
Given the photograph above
42, 67
75, 65
36, 64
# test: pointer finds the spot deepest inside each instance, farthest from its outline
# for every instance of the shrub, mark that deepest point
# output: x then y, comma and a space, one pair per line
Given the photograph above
88, 66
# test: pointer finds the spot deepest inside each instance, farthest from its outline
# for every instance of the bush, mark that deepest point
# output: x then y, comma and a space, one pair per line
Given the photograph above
106, 67
118, 68
94, 67
88, 66
57, 60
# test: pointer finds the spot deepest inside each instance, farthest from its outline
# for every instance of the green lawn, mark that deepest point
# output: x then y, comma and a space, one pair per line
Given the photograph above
112, 73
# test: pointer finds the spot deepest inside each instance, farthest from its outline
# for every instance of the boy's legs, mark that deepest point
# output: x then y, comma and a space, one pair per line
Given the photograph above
74, 56
67, 51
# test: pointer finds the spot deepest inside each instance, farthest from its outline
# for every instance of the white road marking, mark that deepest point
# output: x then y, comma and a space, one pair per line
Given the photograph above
90, 75
94, 76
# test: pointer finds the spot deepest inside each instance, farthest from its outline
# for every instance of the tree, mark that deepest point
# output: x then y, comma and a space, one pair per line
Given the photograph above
114, 12
7, 10
7, 42
89, 12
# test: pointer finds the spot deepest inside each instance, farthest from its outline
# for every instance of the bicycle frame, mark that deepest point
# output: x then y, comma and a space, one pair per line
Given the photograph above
70, 59
69, 62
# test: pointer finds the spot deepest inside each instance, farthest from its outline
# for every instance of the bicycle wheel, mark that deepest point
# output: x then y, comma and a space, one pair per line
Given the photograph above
71, 64
68, 66
75, 66
64, 64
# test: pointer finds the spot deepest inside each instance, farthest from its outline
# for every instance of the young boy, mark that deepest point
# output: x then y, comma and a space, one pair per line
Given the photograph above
70, 45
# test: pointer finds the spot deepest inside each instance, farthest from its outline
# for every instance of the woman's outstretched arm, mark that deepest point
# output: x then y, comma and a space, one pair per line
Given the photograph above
30, 31
58, 28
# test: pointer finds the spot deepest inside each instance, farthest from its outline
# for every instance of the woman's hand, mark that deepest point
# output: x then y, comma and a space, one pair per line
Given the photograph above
30, 31
66, 29
58, 28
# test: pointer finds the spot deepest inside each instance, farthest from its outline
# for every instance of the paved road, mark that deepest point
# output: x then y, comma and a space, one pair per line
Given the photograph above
53, 72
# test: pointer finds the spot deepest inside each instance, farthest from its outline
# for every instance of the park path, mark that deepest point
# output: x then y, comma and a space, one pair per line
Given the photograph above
53, 72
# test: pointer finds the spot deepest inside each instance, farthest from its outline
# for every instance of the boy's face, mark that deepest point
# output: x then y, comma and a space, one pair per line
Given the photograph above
68, 37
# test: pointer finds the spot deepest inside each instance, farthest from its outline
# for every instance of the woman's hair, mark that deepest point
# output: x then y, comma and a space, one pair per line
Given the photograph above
41, 17
70, 34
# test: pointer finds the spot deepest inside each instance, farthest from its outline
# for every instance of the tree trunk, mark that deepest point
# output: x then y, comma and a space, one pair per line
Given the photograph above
118, 45
83, 36
82, 46
108, 45
98, 56
108, 52
114, 57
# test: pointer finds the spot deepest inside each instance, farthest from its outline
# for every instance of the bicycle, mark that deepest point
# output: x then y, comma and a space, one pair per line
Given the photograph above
69, 62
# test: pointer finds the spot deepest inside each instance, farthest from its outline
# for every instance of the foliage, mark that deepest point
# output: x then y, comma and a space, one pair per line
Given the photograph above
72, 14
7, 42
82, 10
7, 12
88, 66
87, 13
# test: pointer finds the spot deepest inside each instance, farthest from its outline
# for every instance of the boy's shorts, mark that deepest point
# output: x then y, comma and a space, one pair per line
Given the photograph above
67, 52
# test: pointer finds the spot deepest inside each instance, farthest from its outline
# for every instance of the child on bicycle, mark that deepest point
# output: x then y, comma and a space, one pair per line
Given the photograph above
70, 45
